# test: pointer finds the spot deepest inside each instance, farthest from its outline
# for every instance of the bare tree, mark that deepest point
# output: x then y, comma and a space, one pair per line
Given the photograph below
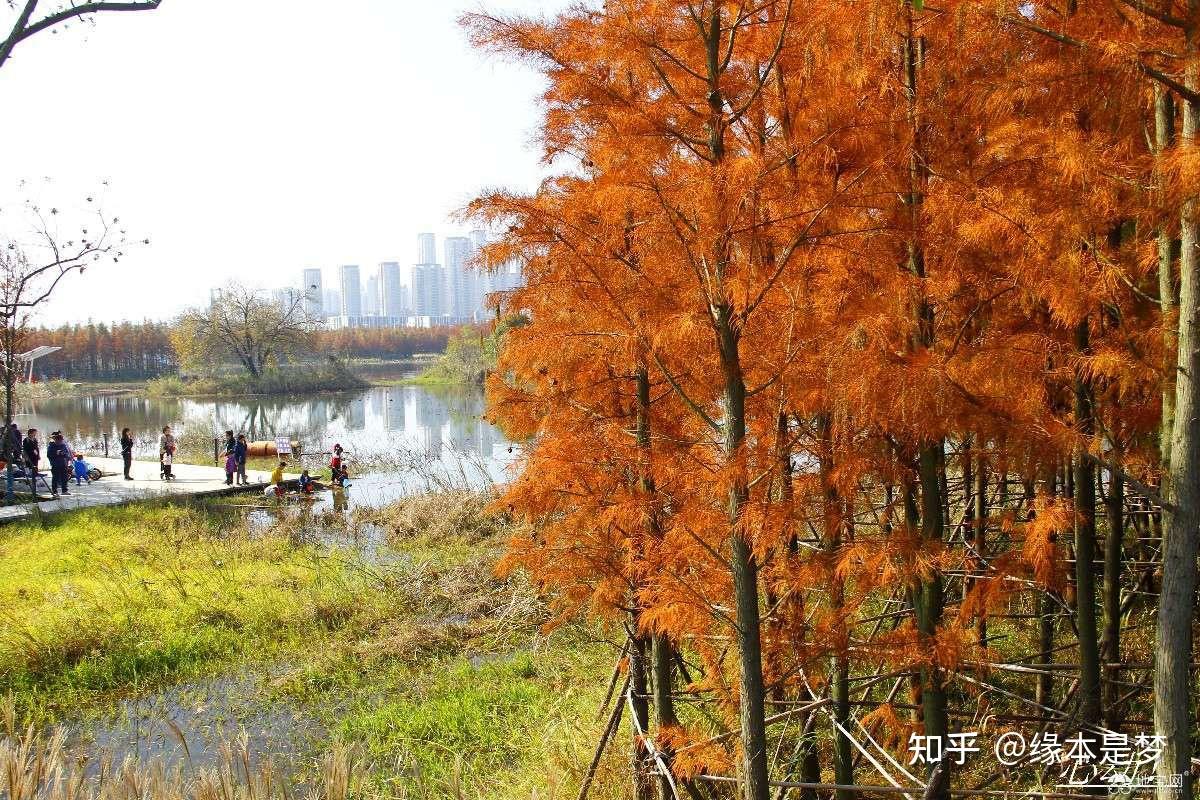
31, 268
243, 326
35, 16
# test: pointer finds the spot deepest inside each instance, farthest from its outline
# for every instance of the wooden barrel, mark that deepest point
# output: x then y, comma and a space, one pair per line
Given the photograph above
269, 450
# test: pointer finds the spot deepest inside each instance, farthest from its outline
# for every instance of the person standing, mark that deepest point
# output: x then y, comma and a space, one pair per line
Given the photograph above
241, 451
228, 458
59, 456
14, 443
127, 451
31, 448
335, 463
166, 452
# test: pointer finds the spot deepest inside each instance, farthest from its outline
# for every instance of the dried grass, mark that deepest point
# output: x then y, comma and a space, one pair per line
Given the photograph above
36, 767
456, 514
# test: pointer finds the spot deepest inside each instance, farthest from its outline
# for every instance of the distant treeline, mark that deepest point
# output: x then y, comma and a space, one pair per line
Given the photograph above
97, 351
140, 350
385, 342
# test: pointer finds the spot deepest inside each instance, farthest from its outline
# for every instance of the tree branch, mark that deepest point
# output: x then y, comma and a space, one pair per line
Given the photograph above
23, 30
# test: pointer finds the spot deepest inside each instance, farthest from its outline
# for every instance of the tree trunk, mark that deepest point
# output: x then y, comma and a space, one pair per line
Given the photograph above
663, 657
745, 579
643, 786
660, 648
929, 607
843, 754
979, 530
1164, 135
1085, 553
928, 600
1115, 503
1177, 601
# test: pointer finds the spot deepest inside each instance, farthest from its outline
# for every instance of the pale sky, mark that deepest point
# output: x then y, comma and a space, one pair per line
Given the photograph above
249, 139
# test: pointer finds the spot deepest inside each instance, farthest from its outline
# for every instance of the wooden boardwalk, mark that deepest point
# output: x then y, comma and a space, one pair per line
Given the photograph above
113, 489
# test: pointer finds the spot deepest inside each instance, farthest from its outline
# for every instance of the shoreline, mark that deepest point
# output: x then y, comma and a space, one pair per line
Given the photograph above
63, 388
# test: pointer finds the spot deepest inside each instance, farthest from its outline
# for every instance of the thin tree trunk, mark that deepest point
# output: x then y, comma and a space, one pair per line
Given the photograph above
929, 607
663, 656
1085, 552
979, 529
1164, 135
1048, 612
1115, 503
643, 786
929, 600
843, 755
1177, 601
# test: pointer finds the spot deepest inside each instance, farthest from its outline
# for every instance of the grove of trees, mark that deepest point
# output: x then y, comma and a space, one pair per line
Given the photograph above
859, 385
98, 351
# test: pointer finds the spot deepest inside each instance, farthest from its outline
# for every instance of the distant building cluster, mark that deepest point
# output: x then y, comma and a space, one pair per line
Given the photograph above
428, 292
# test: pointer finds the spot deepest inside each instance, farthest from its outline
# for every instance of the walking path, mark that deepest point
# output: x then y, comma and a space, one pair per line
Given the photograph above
113, 489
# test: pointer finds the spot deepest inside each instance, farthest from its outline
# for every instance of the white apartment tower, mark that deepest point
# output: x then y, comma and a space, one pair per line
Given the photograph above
459, 279
427, 281
391, 290
314, 297
351, 291
426, 248
370, 298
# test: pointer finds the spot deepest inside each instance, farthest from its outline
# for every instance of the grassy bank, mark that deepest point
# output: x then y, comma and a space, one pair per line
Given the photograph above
410, 654
294, 379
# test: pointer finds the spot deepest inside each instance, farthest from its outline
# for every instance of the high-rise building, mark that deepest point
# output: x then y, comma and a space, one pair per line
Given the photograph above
370, 297
426, 248
427, 282
314, 297
481, 284
391, 290
459, 283
331, 302
351, 291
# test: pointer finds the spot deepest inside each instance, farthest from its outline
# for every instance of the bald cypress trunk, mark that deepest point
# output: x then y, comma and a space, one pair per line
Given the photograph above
1164, 138
661, 651
928, 600
1085, 552
843, 754
1177, 601
643, 786
1115, 504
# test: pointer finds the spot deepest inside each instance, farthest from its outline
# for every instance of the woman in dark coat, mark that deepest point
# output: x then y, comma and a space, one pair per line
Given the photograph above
60, 460
127, 451
31, 448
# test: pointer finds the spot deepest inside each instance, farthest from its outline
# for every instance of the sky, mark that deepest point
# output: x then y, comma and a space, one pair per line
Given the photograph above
249, 139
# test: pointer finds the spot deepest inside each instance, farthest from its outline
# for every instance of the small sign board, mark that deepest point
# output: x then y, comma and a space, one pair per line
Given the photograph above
283, 445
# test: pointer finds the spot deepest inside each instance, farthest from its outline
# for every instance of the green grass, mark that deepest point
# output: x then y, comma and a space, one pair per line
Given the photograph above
110, 600
437, 671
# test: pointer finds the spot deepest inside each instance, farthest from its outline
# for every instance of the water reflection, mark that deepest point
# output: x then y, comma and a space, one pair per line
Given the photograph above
382, 424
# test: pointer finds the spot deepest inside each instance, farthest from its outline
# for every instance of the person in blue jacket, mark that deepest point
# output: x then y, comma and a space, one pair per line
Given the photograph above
81, 470
59, 456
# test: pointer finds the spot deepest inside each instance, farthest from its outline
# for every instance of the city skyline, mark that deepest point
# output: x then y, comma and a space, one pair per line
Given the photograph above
430, 291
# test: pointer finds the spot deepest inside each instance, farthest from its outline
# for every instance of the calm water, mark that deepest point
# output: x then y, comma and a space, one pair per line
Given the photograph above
398, 438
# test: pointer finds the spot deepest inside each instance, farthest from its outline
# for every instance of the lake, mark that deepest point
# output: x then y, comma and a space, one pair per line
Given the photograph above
398, 439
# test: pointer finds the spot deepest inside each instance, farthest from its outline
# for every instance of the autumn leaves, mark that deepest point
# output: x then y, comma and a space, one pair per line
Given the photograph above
841, 317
